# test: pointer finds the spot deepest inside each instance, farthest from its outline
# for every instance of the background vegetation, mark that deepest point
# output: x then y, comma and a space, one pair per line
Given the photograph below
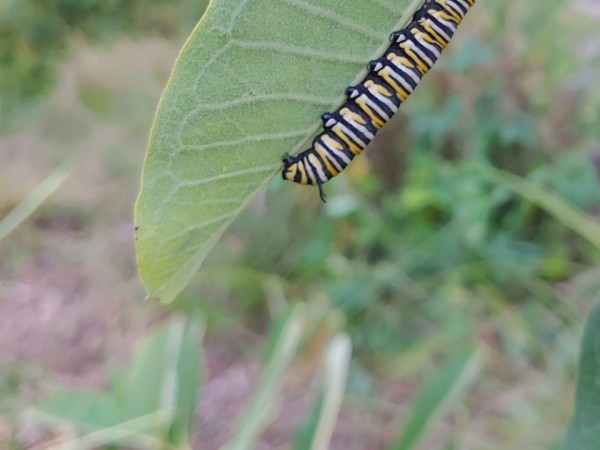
424, 248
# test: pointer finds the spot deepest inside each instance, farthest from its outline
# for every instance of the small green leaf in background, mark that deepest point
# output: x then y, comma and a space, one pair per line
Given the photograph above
84, 409
152, 403
249, 85
166, 374
584, 432
435, 397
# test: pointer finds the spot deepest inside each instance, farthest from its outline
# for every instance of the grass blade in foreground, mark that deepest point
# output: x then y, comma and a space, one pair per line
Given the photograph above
32, 202
584, 432
316, 433
435, 396
249, 85
261, 409
134, 432
166, 374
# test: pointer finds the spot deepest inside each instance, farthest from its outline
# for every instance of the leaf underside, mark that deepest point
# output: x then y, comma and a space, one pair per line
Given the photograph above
249, 85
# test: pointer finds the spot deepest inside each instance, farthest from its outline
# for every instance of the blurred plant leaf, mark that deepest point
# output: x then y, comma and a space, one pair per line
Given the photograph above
584, 432
156, 398
248, 86
435, 396
135, 432
569, 216
85, 409
261, 408
316, 432
35, 198
165, 375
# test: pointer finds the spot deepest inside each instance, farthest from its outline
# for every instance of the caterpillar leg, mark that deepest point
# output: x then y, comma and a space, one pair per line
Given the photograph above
321, 193
398, 36
349, 91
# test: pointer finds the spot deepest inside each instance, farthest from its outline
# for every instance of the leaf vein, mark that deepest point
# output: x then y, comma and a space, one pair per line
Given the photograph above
387, 6
297, 50
340, 20
243, 101
197, 227
225, 176
245, 140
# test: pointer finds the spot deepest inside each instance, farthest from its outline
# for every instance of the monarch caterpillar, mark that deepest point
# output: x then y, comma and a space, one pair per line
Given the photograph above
371, 103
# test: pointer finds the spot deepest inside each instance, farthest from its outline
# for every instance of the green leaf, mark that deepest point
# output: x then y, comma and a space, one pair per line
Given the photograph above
249, 85
101, 417
435, 396
584, 432
165, 375
88, 410
152, 404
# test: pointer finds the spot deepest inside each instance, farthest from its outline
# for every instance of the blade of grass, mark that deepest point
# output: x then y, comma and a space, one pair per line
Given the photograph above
165, 375
182, 381
569, 216
261, 408
584, 432
316, 435
338, 359
134, 432
35, 198
435, 396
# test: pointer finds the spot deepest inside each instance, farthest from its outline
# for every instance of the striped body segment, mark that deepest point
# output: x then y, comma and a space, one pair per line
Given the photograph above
371, 104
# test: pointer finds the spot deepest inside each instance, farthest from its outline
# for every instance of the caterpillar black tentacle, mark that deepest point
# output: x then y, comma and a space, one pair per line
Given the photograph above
371, 103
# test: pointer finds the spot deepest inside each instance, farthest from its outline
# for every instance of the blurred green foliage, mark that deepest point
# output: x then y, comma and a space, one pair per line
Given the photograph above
35, 36
149, 405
